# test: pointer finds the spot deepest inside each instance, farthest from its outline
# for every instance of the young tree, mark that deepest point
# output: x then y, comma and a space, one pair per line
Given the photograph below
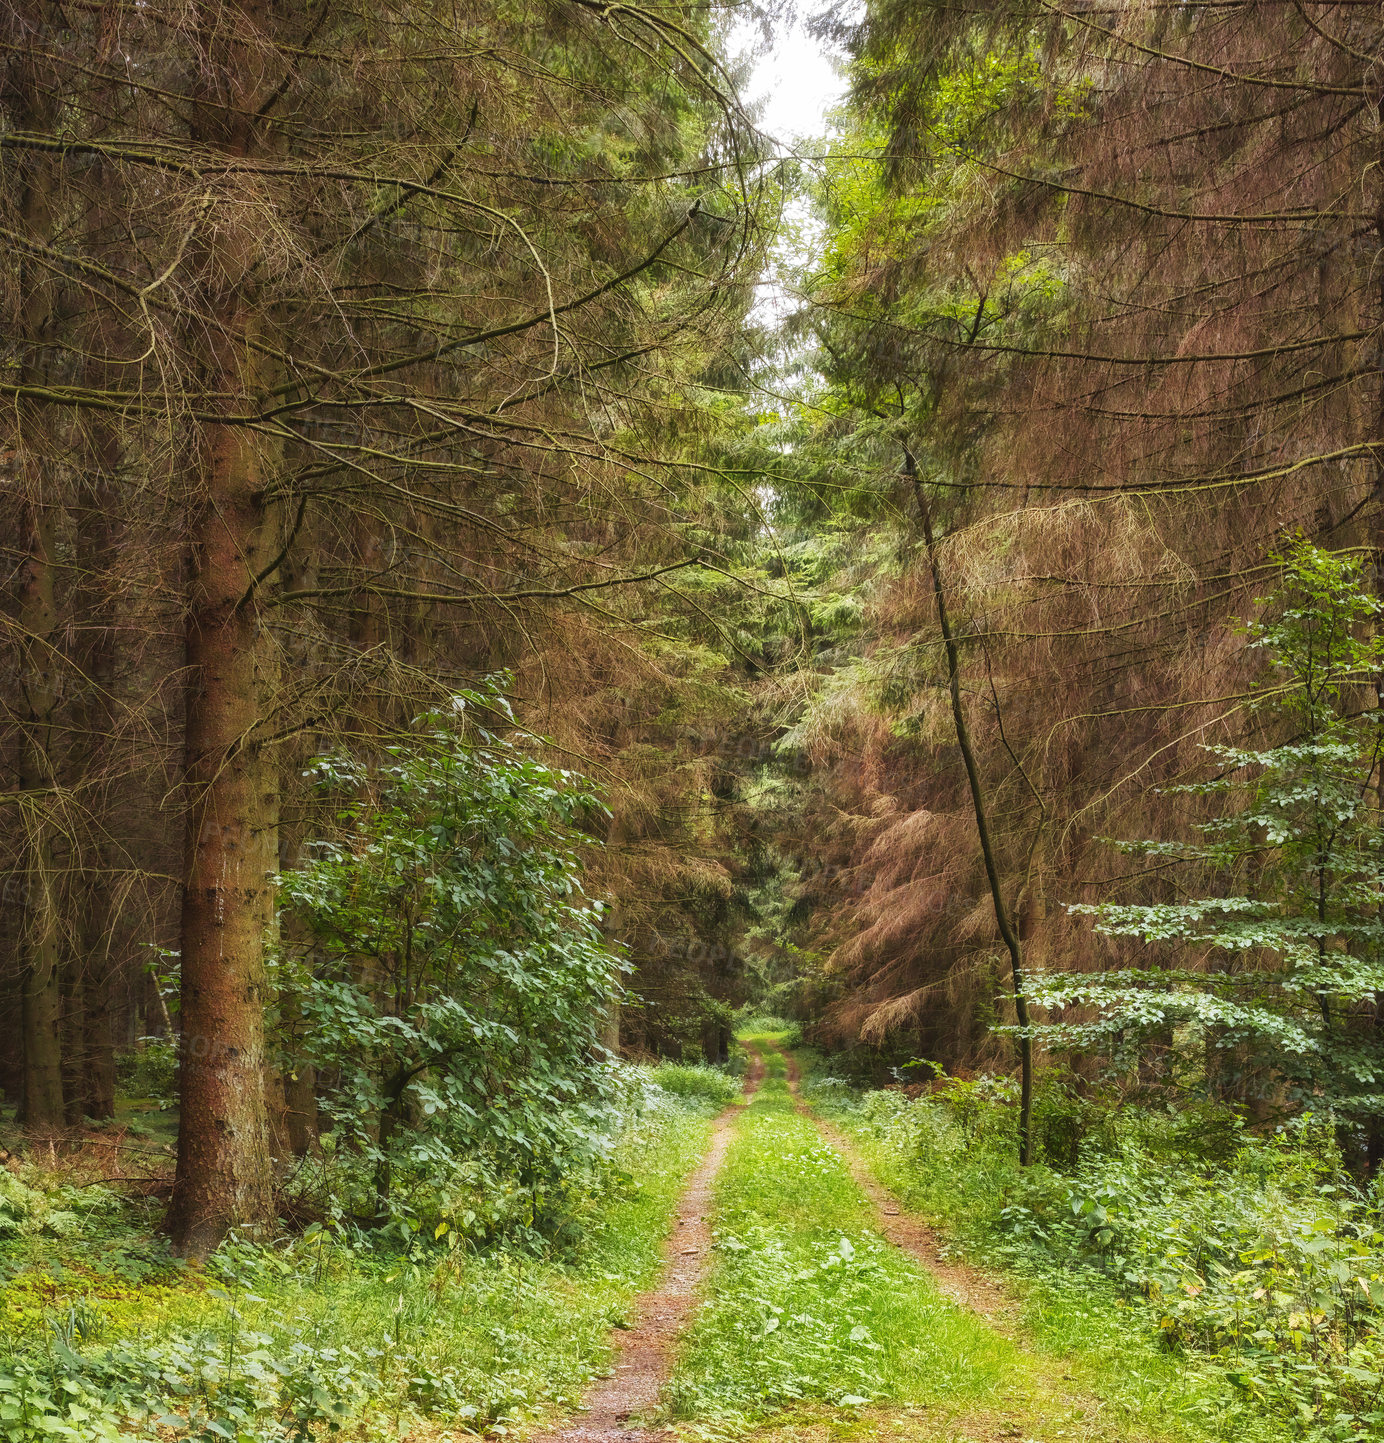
1283, 959
457, 977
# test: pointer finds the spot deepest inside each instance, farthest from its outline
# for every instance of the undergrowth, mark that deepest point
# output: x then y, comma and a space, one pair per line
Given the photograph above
751, 1023
104, 1335
717, 1087
1178, 1260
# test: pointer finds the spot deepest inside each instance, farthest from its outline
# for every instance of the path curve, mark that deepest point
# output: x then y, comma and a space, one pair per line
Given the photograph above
643, 1352
955, 1280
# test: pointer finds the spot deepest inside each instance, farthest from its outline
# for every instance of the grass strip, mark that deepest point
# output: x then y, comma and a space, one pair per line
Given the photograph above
808, 1301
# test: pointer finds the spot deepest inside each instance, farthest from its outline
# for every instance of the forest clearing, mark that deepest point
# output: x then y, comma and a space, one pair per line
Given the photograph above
692, 721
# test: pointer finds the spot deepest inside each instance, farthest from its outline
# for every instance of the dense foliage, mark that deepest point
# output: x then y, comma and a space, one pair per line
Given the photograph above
454, 976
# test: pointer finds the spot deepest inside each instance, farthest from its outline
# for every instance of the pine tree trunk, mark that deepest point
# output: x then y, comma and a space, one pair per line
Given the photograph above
1003, 921
298, 1082
99, 528
73, 1032
224, 1175
99, 1034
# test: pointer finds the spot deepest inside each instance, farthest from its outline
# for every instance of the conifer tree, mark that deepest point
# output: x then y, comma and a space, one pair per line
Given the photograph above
1277, 964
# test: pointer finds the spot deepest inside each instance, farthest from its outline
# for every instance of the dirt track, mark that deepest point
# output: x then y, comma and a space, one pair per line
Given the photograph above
643, 1357
962, 1284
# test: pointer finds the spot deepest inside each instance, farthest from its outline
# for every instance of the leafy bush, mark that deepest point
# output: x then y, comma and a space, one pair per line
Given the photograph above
35, 1201
150, 1069
455, 979
19, 1204
244, 1385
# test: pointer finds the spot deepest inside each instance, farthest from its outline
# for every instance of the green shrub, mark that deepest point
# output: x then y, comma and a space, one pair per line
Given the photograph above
1067, 1124
19, 1205
149, 1069
454, 979
710, 1085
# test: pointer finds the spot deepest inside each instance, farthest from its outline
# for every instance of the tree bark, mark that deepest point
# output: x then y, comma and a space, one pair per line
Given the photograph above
32, 101
224, 1175
99, 531
391, 1118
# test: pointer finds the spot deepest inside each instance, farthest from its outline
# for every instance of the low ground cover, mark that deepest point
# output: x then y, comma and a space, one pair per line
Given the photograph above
807, 1301
103, 1334
1182, 1266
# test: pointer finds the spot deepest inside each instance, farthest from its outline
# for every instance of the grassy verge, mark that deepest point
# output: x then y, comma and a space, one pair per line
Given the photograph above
104, 1336
1076, 1320
807, 1300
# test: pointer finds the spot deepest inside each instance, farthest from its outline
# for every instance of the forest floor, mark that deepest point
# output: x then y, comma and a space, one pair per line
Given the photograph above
749, 1272
828, 1313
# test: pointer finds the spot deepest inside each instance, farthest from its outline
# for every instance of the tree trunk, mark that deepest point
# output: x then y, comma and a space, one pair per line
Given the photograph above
96, 911
99, 1035
390, 1119
224, 1175
298, 1081
963, 740
32, 101
74, 1009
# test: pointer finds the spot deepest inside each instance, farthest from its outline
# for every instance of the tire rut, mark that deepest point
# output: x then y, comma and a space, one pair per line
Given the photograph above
643, 1351
956, 1281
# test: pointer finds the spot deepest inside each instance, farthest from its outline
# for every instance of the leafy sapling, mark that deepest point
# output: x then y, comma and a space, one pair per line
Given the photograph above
454, 975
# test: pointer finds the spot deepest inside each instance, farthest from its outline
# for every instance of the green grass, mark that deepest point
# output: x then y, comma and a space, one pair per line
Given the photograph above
707, 1084
807, 1300
272, 1334
1076, 1322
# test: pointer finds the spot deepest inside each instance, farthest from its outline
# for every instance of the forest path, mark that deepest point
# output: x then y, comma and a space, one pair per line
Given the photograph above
1036, 1400
966, 1286
644, 1351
